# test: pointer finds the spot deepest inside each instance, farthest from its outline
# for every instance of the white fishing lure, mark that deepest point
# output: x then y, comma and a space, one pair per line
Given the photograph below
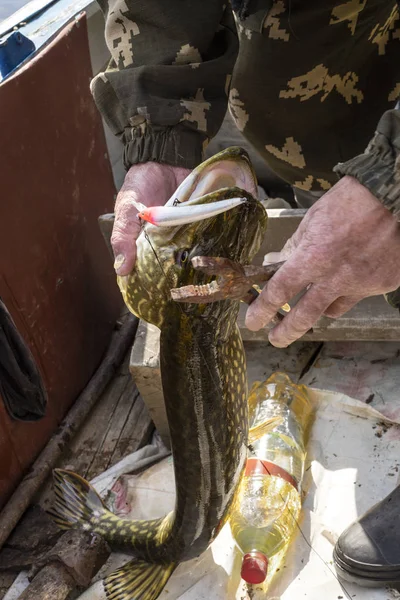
181, 214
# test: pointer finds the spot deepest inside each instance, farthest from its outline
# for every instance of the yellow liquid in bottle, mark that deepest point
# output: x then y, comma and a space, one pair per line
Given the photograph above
265, 514
267, 507
285, 444
280, 388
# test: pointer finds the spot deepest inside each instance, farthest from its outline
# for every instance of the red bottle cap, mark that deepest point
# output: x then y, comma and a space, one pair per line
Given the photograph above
254, 567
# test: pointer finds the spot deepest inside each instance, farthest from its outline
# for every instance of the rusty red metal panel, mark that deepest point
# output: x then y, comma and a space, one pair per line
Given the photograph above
56, 275
10, 467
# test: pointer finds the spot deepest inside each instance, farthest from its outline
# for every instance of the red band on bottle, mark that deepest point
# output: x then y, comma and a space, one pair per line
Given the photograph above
256, 466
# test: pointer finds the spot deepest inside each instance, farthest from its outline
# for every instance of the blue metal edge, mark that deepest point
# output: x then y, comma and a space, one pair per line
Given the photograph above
41, 20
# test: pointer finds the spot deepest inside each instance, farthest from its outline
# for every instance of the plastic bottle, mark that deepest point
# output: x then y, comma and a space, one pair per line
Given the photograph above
265, 513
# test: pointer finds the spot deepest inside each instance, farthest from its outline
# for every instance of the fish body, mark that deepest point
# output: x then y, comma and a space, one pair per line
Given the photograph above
204, 382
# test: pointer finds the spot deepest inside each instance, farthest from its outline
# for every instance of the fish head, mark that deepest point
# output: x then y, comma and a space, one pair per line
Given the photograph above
164, 254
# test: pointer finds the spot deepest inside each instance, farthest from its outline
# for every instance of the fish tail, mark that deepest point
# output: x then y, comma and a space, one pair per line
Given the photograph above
138, 580
77, 505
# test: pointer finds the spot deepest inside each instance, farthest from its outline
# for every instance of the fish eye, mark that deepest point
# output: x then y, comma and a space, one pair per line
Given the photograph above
183, 257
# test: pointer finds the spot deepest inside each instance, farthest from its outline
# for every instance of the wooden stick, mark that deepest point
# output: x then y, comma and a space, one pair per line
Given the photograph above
74, 561
120, 342
51, 583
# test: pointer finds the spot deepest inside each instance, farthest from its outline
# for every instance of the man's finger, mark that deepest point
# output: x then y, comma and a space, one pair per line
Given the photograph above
291, 279
341, 306
124, 248
125, 233
303, 316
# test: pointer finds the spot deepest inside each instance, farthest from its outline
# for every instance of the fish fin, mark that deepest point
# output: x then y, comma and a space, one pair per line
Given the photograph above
137, 580
259, 430
76, 503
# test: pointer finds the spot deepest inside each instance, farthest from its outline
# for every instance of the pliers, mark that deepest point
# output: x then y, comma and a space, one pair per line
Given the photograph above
233, 281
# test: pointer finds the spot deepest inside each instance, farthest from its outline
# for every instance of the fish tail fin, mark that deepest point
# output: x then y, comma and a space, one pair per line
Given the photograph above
138, 580
76, 504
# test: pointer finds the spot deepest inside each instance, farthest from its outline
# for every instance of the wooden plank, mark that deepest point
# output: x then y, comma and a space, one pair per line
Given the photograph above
282, 223
89, 440
129, 429
136, 433
371, 320
103, 455
118, 425
145, 369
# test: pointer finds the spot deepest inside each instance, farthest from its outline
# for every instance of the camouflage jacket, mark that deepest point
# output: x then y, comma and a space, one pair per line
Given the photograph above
306, 83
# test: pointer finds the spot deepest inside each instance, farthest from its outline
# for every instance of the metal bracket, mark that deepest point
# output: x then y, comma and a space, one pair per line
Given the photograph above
13, 51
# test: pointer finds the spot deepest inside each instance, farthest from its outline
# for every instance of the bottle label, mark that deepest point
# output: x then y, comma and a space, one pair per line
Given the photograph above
256, 466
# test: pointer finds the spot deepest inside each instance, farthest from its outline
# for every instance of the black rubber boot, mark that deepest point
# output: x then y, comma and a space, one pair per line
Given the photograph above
368, 552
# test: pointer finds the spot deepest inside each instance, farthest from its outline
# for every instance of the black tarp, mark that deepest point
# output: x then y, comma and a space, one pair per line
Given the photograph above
21, 385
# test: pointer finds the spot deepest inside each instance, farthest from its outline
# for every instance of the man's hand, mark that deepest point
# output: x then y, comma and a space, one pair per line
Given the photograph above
346, 248
151, 184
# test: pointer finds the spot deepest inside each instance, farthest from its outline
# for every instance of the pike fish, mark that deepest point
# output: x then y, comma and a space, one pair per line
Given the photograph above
203, 376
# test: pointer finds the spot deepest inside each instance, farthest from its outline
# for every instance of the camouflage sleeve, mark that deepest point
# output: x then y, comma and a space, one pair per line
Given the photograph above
379, 167
164, 93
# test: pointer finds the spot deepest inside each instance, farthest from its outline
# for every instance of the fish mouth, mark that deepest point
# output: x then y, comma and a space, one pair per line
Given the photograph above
216, 191
165, 254
232, 237
229, 168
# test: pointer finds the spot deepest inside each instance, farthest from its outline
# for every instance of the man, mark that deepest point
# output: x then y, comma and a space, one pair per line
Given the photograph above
307, 88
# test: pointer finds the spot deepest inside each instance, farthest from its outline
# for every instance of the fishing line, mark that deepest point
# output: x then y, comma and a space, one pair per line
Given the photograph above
146, 235
244, 441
